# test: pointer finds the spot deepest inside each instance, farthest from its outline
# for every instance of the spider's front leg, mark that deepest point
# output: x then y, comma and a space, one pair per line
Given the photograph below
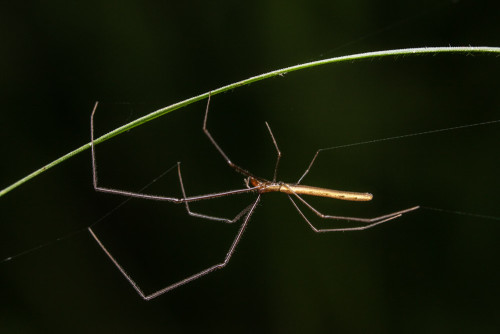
228, 193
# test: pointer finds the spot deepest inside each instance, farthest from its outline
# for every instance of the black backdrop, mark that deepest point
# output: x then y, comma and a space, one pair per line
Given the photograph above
428, 271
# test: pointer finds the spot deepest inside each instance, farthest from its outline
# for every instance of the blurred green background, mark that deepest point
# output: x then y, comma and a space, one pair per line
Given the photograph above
426, 272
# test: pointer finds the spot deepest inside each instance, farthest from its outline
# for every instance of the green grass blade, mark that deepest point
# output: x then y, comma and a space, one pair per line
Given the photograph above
163, 111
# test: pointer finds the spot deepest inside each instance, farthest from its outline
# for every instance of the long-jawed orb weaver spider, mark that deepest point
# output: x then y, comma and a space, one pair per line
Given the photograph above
255, 185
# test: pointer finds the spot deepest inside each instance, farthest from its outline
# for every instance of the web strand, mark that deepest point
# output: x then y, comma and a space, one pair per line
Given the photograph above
411, 135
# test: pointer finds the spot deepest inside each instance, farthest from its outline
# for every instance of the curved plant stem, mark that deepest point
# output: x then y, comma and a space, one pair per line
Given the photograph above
163, 111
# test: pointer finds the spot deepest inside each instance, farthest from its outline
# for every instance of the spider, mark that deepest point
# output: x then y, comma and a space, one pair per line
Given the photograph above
254, 184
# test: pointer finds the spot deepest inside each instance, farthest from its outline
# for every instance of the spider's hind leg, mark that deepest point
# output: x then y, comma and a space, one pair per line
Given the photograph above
368, 222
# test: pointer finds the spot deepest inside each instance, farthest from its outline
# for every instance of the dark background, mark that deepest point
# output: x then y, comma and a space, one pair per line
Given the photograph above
426, 272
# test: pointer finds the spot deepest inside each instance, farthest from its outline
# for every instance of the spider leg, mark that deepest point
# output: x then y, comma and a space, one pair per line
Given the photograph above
148, 196
344, 229
278, 153
189, 278
212, 140
201, 215
370, 222
310, 165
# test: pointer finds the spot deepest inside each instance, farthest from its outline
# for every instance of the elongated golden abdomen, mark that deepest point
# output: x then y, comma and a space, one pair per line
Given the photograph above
291, 189
323, 192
